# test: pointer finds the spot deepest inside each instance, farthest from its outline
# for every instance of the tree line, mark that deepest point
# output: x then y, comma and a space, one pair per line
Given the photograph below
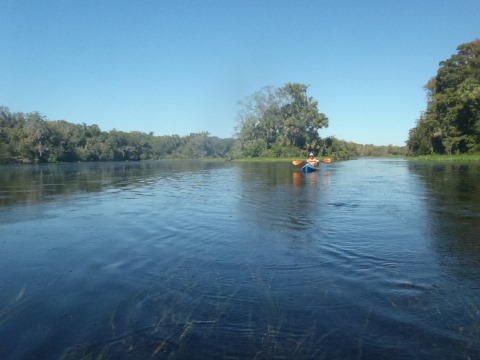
273, 122
285, 122
451, 122
280, 122
31, 138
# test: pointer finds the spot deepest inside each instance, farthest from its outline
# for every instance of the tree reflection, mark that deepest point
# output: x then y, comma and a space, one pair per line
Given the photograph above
39, 183
281, 199
454, 209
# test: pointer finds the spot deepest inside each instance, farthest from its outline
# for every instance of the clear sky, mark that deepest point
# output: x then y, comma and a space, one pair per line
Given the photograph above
177, 67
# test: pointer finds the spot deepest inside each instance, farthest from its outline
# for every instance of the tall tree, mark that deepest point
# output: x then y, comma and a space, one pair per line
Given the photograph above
38, 136
280, 118
451, 123
301, 117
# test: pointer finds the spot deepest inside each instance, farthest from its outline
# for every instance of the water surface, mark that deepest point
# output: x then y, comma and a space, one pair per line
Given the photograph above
367, 259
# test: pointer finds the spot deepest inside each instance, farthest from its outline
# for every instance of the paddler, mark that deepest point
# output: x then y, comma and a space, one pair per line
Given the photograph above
312, 160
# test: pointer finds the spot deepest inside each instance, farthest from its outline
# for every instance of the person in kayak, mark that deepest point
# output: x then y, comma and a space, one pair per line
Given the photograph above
312, 160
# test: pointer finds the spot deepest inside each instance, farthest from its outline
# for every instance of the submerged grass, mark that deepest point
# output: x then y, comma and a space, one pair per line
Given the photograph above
462, 157
266, 160
16, 306
279, 160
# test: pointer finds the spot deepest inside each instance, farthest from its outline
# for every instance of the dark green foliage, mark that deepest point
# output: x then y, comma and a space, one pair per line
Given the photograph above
285, 123
451, 123
275, 123
341, 149
280, 122
30, 138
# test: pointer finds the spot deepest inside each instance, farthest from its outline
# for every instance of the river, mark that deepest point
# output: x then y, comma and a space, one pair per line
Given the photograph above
366, 259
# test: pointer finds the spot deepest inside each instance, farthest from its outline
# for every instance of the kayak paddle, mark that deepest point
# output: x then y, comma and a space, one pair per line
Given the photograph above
300, 162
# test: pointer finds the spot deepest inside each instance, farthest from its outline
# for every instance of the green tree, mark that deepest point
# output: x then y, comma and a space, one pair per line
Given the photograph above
451, 123
301, 118
164, 146
38, 136
338, 149
260, 121
28, 138
275, 119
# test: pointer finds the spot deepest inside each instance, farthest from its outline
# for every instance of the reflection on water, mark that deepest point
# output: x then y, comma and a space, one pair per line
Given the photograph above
365, 259
454, 213
34, 184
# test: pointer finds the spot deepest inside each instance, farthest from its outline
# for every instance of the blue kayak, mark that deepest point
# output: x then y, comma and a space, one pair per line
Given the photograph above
309, 168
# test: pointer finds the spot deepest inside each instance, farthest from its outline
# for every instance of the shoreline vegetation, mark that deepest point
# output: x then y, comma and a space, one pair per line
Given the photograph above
439, 158
451, 122
30, 138
445, 157
274, 123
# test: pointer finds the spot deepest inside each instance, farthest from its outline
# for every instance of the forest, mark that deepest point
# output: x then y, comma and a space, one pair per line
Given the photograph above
272, 123
31, 138
285, 122
451, 122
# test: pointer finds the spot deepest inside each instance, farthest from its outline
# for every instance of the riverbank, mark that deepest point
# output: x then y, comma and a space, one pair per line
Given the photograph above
462, 157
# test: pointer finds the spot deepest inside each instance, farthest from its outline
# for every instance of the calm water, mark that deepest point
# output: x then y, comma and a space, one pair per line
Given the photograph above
368, 259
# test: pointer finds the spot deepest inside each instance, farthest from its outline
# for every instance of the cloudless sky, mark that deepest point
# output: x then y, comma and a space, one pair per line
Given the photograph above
179, 67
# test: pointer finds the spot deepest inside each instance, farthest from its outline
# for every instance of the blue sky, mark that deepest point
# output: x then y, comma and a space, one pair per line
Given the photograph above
177, 67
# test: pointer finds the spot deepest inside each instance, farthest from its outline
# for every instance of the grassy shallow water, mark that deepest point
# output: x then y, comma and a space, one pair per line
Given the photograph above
464, 157
371, 258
